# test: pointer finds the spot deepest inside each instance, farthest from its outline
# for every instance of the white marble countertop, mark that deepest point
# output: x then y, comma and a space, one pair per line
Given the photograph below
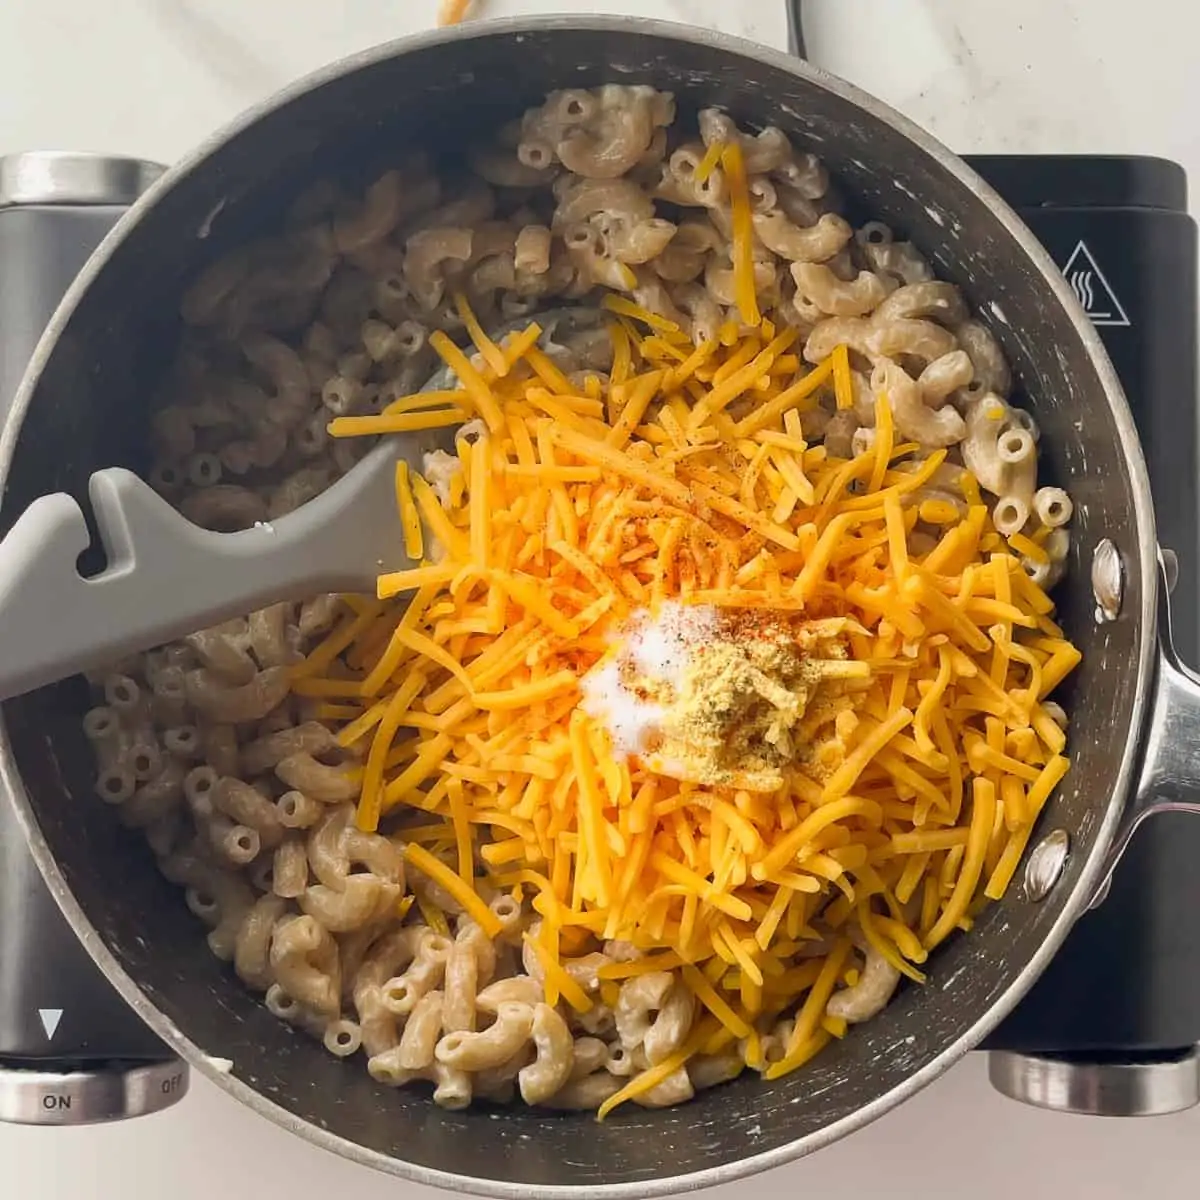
151, 77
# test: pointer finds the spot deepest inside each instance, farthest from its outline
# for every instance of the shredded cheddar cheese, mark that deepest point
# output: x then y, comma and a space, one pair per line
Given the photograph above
453, 12
743, 233
709, 163
687, 476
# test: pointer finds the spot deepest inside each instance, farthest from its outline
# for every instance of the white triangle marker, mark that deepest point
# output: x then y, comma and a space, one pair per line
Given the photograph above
50, 1018
1092, 290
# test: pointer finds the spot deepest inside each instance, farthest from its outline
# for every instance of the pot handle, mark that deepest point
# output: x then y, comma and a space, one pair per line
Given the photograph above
1169, 780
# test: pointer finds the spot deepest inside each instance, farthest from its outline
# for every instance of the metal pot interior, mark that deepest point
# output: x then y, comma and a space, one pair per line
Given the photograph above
88, 409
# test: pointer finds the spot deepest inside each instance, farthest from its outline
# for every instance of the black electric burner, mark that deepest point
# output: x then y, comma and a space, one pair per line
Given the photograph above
1113, 1022
1112, 1025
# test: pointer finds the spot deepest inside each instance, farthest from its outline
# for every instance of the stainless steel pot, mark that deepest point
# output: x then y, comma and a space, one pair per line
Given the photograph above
1135, 731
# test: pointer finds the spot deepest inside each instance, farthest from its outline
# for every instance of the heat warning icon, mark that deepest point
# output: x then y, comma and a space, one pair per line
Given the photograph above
1092, 289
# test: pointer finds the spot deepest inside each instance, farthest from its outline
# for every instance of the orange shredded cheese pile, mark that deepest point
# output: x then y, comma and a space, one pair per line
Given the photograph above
689, 475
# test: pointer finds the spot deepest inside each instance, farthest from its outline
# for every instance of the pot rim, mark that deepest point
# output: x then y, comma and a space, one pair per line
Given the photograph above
1146, 557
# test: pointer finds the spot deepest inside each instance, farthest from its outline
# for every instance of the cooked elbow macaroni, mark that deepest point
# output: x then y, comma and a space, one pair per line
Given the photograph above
869, 994
229, 748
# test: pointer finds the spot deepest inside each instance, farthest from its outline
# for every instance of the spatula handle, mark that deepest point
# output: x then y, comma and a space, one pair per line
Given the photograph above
165, 577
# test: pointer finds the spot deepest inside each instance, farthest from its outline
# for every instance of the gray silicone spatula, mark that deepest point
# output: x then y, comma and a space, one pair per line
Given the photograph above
166, 577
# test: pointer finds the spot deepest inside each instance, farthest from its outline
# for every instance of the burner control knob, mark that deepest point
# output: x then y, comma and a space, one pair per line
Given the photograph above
60, 177
109, 1092
1132, 1085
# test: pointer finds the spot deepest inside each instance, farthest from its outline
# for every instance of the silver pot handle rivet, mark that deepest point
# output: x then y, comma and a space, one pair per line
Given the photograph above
1108, 580
1045, 864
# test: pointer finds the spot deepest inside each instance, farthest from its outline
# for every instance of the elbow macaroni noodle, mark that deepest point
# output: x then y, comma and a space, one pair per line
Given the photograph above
241, 750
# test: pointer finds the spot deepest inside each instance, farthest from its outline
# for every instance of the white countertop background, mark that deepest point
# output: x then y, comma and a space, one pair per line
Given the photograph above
153, 77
